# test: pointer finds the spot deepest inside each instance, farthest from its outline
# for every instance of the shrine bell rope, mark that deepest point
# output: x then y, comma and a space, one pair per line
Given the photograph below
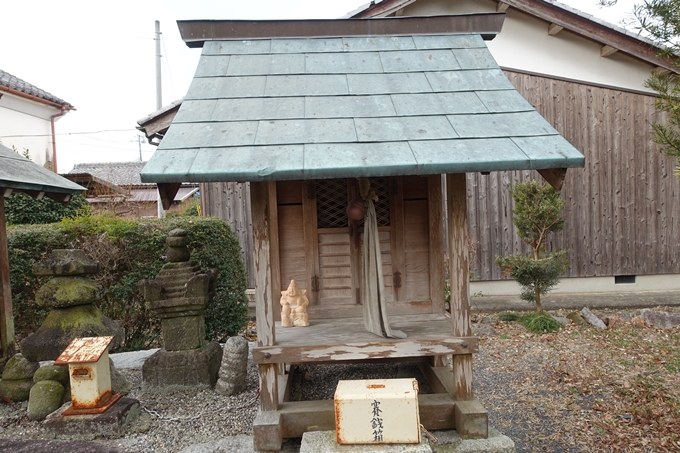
373, 284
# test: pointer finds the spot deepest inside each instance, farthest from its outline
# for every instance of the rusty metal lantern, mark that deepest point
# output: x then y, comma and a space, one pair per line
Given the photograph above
356, 210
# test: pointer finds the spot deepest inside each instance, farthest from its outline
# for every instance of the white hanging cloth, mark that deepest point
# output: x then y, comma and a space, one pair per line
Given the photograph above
372, 282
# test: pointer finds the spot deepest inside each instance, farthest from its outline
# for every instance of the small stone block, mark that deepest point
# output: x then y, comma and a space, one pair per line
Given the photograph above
112, 422
471, 420
325, 442
267, 435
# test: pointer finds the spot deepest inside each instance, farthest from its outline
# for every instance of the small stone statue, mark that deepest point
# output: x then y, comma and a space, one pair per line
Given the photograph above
294, 307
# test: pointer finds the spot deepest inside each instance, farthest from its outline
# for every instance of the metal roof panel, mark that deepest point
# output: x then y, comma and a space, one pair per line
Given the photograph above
461, 156
375, 43
307, 45
419, 61
403, 128
448, 41
259, 109
438, 103
340, 160
343, 63
475, 58
305, 131
250, 163
414, 82
469, 80
266, 64
504, 101
226, 87
501, 125
309, 85
212, 65
241, 133
236, 47
348, 106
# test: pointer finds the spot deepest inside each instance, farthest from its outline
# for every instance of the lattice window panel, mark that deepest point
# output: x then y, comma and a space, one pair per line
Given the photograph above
331, 203
381, 186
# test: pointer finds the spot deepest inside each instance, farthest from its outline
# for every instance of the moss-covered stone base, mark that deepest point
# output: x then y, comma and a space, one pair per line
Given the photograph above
62, 325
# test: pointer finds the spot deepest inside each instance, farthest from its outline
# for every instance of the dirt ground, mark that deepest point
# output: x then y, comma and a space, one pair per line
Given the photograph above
582, 389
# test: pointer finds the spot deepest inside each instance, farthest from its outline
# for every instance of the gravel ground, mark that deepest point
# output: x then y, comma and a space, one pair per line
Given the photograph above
577, 390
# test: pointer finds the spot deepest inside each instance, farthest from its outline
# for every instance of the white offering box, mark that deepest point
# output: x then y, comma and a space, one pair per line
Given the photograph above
379, 411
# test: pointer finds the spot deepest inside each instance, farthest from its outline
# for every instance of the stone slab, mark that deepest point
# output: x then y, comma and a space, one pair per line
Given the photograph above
325, 442
112, 422
55, 446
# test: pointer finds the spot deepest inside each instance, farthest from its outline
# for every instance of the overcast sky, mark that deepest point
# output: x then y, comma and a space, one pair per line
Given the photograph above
99, 56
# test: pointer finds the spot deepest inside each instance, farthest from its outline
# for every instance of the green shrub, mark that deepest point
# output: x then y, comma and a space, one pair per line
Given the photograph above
20, 209
537, 213
508, 316
129, 251
539, 322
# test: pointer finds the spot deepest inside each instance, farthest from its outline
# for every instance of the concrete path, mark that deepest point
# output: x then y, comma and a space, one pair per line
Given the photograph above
576, 301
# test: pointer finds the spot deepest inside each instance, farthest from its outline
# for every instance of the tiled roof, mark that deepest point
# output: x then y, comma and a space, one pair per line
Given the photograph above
15, 83
117, 173
335, 107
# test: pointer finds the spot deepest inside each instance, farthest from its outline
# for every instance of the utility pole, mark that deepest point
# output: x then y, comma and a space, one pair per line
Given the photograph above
159, 91
139, 143
159, 99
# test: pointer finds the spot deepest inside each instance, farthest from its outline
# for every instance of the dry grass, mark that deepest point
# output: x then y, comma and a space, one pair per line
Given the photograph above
582, 389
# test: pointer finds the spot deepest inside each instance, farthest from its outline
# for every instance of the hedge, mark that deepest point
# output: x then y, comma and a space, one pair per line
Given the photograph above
129, 251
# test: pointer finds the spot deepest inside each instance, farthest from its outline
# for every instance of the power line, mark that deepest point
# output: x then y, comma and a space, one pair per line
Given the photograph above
71, 133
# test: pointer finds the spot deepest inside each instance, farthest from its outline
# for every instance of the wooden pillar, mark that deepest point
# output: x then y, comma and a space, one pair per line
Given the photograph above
6, 315
267, 424
471, 419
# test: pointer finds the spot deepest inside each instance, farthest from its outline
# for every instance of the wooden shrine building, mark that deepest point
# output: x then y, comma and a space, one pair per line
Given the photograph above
301, 109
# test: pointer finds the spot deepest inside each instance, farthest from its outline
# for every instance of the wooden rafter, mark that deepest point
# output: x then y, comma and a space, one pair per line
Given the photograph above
606, 51
554, 29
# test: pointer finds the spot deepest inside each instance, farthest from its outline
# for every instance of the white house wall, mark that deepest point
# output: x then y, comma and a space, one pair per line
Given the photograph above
25, 124
524, 45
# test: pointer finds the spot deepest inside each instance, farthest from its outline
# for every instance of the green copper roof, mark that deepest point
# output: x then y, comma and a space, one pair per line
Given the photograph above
313, 108
20, 174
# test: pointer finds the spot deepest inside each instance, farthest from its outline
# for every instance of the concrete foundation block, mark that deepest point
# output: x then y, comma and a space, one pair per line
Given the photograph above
267, 435
471, 420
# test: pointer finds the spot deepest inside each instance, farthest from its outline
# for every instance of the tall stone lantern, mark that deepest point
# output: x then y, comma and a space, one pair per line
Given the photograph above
179, 295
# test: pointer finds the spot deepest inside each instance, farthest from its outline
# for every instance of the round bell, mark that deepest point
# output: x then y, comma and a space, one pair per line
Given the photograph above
356, 210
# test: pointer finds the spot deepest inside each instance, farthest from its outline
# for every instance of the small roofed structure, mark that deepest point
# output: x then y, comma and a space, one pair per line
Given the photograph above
89, 375
316, 113
20, 175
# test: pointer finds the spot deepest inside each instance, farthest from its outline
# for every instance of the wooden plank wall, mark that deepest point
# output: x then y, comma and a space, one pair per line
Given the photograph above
622, 210
230, 201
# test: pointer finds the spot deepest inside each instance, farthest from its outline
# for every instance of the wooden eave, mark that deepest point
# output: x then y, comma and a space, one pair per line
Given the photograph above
196, 32
155, 125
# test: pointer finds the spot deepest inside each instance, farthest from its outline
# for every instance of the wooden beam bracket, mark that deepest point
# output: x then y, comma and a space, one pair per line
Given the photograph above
167, 192
554, 176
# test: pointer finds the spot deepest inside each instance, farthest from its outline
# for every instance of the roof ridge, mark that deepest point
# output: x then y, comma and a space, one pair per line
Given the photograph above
15, 83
